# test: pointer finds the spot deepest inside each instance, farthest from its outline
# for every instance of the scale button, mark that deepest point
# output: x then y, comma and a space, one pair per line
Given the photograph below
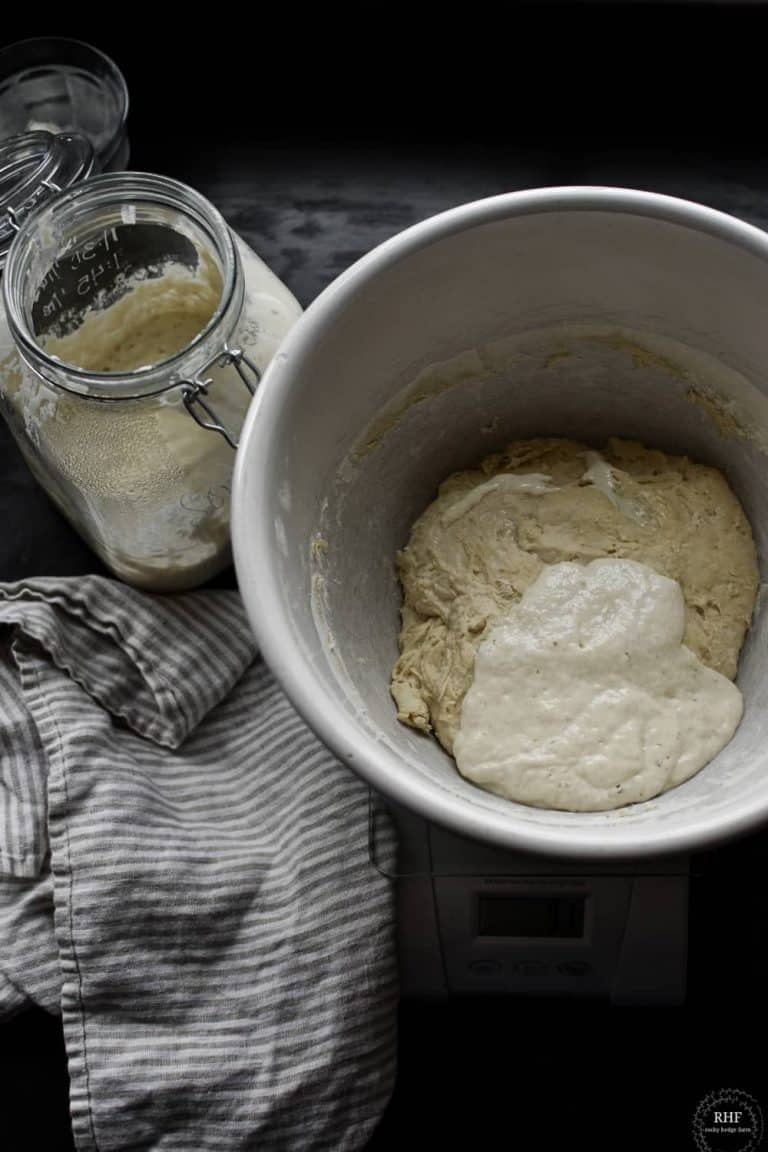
574, 967
485, 967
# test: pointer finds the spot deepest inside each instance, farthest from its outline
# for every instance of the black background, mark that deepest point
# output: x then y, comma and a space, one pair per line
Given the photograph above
320, 133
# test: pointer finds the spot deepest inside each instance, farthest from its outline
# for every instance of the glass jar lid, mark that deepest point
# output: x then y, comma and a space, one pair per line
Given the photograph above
56, 84
34, 167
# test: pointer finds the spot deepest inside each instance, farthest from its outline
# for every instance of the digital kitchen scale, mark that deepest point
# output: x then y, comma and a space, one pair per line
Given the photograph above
476, 920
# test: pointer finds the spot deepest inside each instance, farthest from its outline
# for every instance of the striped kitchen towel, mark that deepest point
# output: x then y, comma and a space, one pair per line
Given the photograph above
185, 876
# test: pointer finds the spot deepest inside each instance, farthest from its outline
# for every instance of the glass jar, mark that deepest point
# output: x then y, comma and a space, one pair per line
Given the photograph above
138, 457
64, 85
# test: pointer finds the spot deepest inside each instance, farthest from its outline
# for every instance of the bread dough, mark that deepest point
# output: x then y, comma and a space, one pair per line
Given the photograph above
485, 539
584, 698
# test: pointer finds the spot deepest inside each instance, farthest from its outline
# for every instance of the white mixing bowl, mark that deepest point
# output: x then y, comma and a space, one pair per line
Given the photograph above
584, 312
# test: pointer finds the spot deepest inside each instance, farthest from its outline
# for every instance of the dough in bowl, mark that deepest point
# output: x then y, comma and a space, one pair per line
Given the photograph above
492, 531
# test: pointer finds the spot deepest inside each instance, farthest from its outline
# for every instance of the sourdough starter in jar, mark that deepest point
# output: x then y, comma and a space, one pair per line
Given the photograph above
137, 476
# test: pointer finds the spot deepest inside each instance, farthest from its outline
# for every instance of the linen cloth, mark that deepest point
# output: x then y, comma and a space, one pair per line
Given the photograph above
185, 876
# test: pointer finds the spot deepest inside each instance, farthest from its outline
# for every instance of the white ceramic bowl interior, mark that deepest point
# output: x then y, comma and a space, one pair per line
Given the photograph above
582, 312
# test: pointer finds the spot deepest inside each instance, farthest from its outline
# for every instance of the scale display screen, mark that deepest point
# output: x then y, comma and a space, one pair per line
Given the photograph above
534, 916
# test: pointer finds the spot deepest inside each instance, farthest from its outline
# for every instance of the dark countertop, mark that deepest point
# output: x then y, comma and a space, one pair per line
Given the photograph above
310, 203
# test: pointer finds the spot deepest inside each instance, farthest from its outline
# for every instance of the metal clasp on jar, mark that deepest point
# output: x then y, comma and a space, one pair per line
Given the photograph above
194, 392
15, 216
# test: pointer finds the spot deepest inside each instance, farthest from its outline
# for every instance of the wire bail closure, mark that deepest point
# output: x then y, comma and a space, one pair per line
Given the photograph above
15, 216
194, 392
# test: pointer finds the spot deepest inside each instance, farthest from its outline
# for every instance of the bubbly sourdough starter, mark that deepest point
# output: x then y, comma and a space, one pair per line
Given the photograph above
585, 698
155, 319
493, 530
